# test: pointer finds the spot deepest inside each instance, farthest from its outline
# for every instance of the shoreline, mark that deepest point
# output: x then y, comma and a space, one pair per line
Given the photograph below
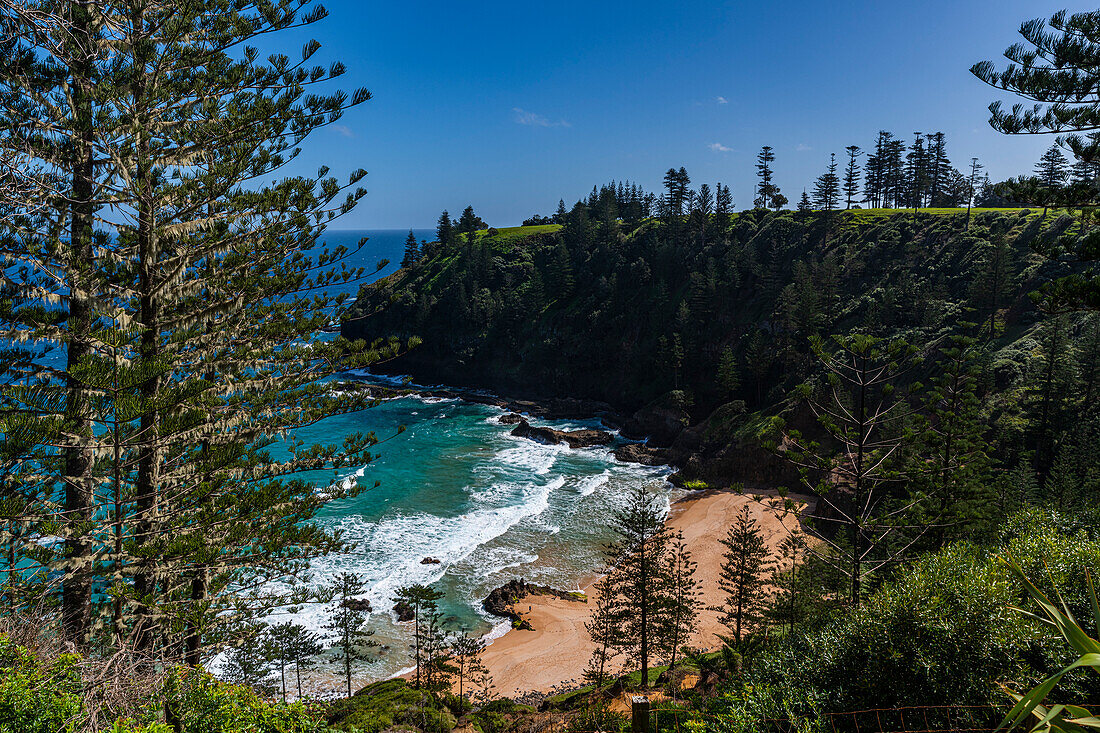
551, 658
550, 408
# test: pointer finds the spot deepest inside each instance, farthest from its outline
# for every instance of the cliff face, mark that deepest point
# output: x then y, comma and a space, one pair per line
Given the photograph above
723, 313
695, 335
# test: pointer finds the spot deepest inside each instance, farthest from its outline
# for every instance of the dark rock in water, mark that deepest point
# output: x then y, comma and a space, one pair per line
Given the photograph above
586, 438
510, 419
643, 454
500, 601
541, 435
403, 611
549, 436
430, 561
358, 604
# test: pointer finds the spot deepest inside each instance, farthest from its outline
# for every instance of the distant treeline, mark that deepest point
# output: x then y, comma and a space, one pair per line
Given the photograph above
893, 174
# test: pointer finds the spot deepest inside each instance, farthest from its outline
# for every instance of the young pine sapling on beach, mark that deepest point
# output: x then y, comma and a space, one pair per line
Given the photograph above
745, 567
346, 623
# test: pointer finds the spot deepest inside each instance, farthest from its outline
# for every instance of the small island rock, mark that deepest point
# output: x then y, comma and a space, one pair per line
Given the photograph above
358, 604
550, 436
403, 611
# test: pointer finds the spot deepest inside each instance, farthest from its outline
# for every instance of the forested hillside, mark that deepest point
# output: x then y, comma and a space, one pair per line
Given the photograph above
625, 314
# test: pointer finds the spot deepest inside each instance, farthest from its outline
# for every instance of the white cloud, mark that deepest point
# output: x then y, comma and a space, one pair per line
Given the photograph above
343, 130
523, 117
719, 148
721, 100
803, 147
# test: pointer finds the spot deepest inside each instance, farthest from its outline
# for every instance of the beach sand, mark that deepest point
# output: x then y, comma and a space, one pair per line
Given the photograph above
557, 651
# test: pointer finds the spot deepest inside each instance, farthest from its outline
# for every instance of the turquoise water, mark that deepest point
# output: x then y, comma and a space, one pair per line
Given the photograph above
457, 487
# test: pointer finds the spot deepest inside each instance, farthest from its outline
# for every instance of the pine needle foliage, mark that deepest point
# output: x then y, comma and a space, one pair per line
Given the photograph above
1057, 67
179, 265
865, 517
744, 574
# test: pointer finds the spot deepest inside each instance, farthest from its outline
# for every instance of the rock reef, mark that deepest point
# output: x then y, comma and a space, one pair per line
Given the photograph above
501, 601
550, 436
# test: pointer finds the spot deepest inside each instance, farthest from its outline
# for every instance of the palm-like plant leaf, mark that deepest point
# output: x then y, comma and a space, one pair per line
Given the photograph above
1059, 717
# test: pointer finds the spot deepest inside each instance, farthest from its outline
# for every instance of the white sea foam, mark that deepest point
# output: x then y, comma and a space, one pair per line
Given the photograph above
497, 631
588, 485
344, 483
498, 559
392, 548
401, 672
530, 455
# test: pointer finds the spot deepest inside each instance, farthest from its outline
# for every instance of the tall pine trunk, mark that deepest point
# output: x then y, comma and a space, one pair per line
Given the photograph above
77, 456
148, 463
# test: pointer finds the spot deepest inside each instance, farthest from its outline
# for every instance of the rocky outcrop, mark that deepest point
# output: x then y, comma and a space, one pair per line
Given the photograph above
550, 436
501, 600
510, 419
643, 454
661, 421
431, 561
358, 604
403, 611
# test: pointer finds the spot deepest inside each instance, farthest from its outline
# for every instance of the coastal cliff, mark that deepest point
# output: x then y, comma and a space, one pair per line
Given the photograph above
695, 338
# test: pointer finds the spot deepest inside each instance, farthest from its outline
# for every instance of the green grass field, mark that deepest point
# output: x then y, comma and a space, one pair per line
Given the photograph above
511, 234
508, 235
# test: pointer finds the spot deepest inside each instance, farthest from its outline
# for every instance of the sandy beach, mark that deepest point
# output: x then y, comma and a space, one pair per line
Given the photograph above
558, 649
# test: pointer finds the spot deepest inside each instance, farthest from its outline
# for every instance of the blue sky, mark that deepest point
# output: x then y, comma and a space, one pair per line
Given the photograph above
509, 106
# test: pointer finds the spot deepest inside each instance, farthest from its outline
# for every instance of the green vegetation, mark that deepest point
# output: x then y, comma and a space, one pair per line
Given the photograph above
184, 329
512, 234
384, 705
926, 371
600, 310
45, 692
942, 633
1062, 716
648, 600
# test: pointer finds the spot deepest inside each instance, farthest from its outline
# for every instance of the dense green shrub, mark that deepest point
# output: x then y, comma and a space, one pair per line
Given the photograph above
599, 717
205, 704
944, 632
500, 716
36, 698
389, 704
39, 696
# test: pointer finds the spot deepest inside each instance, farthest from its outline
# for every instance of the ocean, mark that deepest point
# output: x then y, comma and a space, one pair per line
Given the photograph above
457, 487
